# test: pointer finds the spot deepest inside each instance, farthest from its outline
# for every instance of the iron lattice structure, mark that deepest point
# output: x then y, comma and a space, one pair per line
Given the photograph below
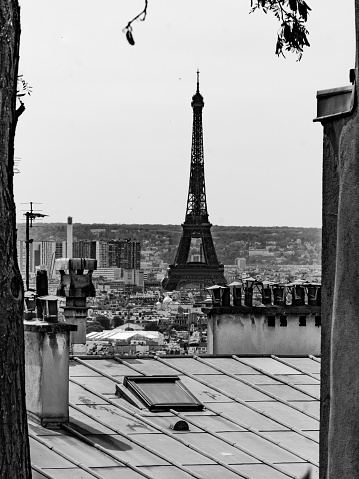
207, 271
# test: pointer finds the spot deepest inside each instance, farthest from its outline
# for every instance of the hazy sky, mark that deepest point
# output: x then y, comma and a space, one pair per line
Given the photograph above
106, 135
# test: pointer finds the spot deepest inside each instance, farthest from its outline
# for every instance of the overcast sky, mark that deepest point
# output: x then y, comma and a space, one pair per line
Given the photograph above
106, 135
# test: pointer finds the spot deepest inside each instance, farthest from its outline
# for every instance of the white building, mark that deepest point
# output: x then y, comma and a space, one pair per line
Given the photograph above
133, 276
41, 255
241, 263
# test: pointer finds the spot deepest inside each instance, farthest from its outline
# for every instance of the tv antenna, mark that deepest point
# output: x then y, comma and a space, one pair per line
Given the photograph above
30, 218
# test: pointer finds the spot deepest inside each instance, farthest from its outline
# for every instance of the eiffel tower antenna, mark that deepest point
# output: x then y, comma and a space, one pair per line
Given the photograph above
205, 270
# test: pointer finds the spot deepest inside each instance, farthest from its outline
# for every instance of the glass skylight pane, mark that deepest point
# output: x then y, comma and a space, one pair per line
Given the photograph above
160, 393
165, 393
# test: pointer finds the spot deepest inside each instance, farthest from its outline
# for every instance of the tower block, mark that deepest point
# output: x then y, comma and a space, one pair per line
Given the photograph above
203, 268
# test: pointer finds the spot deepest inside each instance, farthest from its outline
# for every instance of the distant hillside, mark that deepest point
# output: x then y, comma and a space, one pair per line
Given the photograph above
304, 244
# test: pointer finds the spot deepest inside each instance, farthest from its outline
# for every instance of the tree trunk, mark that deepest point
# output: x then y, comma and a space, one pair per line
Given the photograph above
14, 444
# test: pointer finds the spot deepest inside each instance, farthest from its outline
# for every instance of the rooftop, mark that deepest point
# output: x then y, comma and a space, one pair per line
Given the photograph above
260, 420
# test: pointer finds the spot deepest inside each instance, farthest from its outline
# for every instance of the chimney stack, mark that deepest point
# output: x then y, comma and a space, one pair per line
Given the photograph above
76, 285
69, 237
47, 371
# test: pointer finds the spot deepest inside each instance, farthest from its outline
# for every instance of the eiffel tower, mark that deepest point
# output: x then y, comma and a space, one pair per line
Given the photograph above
202, 269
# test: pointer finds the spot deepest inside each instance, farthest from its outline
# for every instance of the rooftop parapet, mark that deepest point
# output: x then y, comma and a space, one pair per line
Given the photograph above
252, 293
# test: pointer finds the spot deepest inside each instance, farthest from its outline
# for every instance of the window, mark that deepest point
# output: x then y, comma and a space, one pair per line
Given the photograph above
271, 321
302, 320
161, 393
318, 321
283, 320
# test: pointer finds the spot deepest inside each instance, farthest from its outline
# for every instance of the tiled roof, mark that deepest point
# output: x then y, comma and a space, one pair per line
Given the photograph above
261, 421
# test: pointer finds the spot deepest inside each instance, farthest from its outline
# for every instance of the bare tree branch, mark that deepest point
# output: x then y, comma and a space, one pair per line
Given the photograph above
128, 29
20, 110
292, 35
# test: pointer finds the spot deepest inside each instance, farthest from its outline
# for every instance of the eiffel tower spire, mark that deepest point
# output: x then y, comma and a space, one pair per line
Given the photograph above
196, 202
207, 271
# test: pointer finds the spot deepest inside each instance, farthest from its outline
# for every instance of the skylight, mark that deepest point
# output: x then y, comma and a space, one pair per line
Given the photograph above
161, 393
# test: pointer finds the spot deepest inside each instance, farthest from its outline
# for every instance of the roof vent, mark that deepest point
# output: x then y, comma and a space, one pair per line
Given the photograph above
180, 426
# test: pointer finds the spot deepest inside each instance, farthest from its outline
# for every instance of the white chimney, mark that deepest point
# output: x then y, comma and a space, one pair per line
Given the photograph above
69, 237
47, 348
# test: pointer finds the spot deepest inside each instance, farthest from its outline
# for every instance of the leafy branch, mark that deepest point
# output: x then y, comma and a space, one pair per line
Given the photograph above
128, 28
292, 35
23, 89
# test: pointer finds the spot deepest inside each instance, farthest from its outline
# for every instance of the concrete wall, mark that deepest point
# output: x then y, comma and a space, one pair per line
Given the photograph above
249, 333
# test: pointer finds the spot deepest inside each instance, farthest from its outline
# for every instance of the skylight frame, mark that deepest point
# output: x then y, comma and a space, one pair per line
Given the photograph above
133, 384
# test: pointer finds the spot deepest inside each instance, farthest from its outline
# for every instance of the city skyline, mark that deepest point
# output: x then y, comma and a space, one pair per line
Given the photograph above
106, 135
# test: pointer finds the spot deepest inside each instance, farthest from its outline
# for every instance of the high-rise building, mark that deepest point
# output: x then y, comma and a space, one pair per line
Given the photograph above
102, 254
84, 249
124, 254
21, 256
47, 254
135, 255
60, 250
41, 254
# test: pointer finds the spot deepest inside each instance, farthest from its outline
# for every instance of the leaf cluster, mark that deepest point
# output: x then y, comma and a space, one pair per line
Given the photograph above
292, 35
151, 327
104, 322
94, 327
23, 88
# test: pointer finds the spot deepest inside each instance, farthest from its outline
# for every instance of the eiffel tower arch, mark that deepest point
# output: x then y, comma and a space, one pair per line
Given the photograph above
202, 269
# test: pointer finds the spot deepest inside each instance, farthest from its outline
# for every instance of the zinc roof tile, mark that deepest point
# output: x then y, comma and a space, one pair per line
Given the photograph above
302, 445
231, 366
115, 473
262, 447
74, 473
285, 392
165, 472
269, 365
260, 471
307, 365
282, 412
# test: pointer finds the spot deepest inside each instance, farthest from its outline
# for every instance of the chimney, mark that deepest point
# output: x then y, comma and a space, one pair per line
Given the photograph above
47, 347
76, 285
69, 237
42, 289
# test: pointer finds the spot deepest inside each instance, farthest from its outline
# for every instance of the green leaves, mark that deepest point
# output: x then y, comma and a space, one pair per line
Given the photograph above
293, 5
303, 10
292, 35
23, 88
